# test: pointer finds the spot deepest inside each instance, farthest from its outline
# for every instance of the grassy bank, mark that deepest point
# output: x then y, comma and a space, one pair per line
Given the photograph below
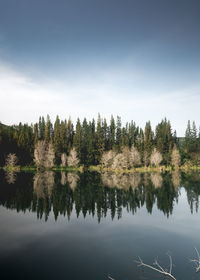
101, 169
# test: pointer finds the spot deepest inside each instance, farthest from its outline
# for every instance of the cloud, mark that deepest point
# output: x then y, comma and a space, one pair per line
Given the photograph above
24, 99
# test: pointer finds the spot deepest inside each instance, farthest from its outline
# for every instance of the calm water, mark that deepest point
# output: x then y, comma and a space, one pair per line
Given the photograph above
89, 226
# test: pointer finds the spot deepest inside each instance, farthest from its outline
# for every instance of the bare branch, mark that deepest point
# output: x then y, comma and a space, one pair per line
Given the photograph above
160, 269
170, 263
196, 261
109, 277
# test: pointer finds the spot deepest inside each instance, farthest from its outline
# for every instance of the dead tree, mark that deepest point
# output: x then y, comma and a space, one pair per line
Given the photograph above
166, 272
158, 268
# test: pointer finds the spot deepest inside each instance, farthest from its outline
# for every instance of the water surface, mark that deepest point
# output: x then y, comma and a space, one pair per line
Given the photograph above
88, 226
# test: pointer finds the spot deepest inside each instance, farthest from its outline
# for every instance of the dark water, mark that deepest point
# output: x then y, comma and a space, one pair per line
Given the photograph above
89, 226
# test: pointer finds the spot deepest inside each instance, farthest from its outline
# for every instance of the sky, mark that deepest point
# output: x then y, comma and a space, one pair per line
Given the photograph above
139, 59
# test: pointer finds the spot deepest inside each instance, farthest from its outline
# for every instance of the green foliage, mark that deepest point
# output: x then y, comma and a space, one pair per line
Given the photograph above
91, 139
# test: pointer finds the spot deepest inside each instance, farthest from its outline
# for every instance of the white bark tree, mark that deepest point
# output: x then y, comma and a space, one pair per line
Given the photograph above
63, 159
134, 157
155, 158
44, 154
126, 159
72, 159
175, 157
120, 161
146, 159
108, 158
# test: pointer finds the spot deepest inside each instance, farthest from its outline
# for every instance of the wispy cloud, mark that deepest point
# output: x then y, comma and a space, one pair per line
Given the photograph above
23, 99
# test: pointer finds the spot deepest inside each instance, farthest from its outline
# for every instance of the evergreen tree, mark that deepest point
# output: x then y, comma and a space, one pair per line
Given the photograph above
118, 134
41, 128
78, 138
48, 130
148, 138
99, 141
57, 139
112, 133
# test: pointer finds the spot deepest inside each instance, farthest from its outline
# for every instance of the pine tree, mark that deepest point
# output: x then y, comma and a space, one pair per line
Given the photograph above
148, 138
99, 141
118, 134
41, 128
78, 138
48, 130
36, 134
112, 133
57, 139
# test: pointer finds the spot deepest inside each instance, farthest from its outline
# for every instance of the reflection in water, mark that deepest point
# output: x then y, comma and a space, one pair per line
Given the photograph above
176, 178
121, 181
43, 184
11, 177
98, 194
157, 180
63, 179
72, 179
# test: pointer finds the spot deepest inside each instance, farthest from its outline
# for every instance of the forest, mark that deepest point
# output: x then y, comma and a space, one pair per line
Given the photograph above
87, 143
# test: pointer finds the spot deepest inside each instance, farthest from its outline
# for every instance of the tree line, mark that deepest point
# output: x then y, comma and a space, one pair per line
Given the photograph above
99, 142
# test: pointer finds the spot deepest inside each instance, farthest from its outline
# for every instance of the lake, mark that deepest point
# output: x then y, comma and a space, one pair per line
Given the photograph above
90, 225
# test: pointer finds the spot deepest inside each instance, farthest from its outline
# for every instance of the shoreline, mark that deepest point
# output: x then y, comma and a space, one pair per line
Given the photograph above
101, 169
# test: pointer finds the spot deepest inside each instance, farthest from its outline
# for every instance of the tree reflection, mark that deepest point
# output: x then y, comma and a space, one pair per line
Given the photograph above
121, 181
10, 177
157, 180
98, 195
43, 184
176, 178
72, 179
63, 179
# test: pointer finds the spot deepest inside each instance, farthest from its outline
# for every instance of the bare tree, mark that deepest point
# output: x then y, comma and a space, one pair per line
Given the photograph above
50, 156
120, 161
108, 158
44, 154
126, 159
146, 158
63, 159
73, 158
134, 157
155, 158
11, 160
175, 157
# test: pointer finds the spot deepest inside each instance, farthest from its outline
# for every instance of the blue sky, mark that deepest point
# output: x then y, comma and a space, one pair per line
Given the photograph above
138, 59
